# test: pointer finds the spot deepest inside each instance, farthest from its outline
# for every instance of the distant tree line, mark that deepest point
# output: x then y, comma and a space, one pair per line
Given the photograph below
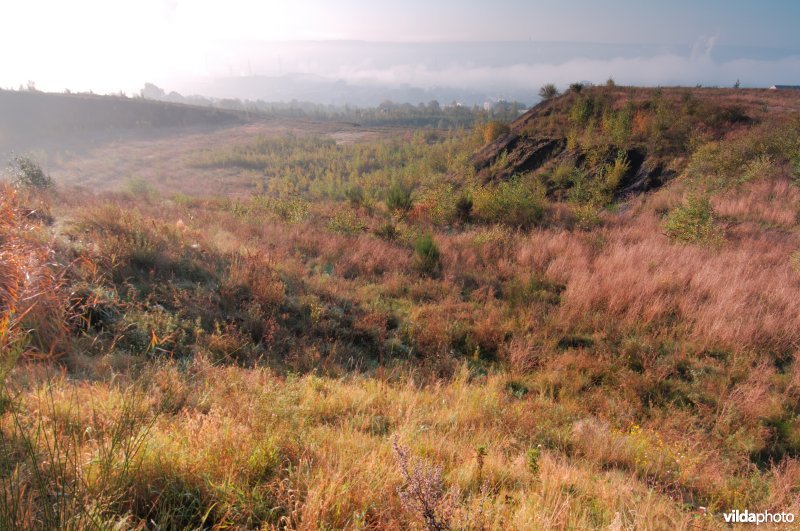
431, 114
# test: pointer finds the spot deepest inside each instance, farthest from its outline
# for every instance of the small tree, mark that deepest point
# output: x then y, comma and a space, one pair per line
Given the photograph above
399, 198
548, 91
27, 173
693, 222
494, 130
576, 87
427, 257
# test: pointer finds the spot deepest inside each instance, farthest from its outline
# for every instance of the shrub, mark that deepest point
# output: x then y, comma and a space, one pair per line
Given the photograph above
562, 175
355, 195
439, 204
27, 173
532, 457
398, 198
293, 210
494, 130
423, 492
464, 208
794, 261
427, 257
693, 222
587, 216
387, 231
614, 173
346, 222
576, 87
548, 91
513, 202
582, 110
759, 167
139, 188
618, 124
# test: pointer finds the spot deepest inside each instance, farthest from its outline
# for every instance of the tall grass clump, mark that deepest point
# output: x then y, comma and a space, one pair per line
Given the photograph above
32, 310
58, 474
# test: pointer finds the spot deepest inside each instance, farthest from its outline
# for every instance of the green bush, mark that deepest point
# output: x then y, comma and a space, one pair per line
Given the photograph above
398, 198
582, 110
576, 87
587, 216
347, 222
427, 258
138, 187
561, 177
618, 124
514, 202
387, 231
355, 195
533, 456
583, 190
27, 173
613, 173
464, 206
548, 91
693, 222
440, 204
292, 210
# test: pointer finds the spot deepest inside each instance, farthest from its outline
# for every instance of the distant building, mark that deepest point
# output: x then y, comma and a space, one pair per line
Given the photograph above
785, 87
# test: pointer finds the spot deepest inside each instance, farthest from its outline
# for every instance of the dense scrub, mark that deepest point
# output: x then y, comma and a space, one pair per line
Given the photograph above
378, 336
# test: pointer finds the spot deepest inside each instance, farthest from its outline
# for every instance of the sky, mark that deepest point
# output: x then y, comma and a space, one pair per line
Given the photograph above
117, 45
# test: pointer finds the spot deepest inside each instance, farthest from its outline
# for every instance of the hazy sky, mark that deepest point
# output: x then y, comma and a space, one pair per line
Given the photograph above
108, 45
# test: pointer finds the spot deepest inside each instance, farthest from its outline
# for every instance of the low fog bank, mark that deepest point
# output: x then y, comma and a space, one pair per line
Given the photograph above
366, 74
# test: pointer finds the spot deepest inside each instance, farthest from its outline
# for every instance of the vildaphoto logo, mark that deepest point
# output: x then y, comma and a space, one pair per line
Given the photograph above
746, 517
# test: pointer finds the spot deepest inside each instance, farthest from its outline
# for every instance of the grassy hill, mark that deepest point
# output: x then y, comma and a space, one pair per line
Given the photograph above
587, 319
30, 118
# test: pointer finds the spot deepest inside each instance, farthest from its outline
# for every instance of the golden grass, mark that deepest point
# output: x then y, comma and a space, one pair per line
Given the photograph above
311, 452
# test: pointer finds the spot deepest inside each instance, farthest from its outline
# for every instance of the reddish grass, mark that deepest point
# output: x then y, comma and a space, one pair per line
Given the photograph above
768, 201
741, 295
33, 309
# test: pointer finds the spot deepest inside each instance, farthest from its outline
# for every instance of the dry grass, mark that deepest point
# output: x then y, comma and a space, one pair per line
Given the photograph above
265, 358
313, 453
33, 310
630, 276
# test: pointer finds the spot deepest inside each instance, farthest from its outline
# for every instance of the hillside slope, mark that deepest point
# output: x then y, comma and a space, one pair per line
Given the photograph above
655, 131
28, 117
272, 329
